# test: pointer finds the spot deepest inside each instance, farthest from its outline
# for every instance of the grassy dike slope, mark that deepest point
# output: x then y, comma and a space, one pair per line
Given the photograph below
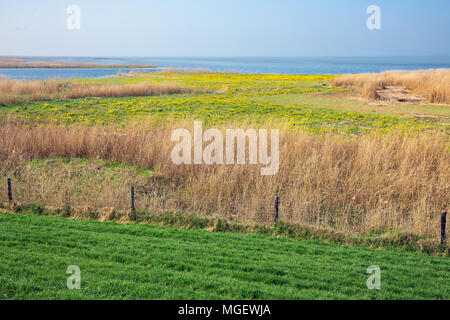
137, 261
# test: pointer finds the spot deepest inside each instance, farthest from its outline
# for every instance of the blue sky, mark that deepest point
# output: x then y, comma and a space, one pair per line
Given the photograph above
224, 28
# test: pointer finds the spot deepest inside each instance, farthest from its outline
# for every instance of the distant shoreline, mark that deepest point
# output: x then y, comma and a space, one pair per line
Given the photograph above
104, 66
14, 63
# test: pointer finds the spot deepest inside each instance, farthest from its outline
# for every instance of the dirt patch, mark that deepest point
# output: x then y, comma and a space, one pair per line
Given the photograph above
431, 117
397, 94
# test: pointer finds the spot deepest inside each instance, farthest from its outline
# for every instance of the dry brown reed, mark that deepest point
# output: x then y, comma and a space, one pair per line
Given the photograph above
434, 84
13, 91
355, 185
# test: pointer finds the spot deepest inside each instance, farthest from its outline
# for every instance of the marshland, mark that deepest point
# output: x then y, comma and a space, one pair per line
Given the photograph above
356, 171
82, 143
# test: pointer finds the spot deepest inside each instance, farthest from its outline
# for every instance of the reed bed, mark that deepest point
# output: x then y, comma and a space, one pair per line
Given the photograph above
434, 84
350, 184
14, 91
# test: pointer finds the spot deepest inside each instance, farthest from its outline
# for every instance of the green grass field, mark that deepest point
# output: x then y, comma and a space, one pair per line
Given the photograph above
138, 261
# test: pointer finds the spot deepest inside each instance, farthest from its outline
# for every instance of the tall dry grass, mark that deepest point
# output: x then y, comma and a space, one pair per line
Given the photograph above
354, 185
13, 91
434, 84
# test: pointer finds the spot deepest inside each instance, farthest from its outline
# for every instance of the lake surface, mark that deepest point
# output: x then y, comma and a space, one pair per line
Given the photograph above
282, 65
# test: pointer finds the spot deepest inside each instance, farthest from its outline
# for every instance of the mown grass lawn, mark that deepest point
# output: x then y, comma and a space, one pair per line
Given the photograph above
137, 261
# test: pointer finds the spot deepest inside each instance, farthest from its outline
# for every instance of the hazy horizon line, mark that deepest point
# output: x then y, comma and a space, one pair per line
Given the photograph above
243, 56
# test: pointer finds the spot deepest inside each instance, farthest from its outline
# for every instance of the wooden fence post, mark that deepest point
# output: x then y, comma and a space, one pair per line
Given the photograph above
277, 204
133, 208
10, 198
443, 223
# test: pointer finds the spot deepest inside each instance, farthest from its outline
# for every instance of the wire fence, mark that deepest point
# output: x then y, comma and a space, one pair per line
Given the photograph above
143, 200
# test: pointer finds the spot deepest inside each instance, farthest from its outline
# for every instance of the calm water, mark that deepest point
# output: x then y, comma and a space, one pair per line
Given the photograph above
283, 65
